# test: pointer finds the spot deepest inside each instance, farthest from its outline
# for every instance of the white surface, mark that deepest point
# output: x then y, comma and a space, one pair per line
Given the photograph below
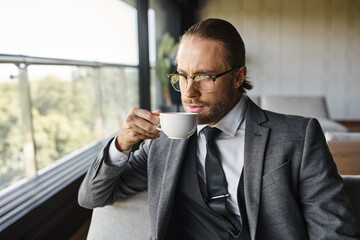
127, 219
342, 136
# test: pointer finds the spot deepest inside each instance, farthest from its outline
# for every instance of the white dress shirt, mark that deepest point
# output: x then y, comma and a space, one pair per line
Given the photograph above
230, 143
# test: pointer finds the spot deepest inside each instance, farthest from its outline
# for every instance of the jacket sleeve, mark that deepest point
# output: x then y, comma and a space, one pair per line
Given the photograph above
326, 209
106, 183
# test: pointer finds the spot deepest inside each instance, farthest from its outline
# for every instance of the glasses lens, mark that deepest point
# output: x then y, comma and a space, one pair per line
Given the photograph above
204, 82
175, 82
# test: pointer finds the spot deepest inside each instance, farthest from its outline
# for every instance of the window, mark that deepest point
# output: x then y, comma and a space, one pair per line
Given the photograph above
68, 76
61, 99
104, 31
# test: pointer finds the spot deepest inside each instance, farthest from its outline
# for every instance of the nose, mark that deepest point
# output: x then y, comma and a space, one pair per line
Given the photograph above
191, 89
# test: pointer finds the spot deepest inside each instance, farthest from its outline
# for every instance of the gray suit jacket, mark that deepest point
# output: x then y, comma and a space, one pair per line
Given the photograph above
292, 188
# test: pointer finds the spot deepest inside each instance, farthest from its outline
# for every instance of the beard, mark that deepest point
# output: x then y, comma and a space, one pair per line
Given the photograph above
214, 111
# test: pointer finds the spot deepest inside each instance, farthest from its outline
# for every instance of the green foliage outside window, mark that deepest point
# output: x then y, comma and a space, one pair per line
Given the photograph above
11, 166
62, 117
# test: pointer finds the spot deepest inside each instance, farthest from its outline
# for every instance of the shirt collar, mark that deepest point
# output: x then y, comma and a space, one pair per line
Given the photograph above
231, 122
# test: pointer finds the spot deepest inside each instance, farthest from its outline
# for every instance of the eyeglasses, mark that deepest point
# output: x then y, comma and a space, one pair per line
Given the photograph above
204, 81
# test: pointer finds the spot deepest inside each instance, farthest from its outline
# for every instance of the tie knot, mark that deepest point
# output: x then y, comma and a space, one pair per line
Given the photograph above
211, 133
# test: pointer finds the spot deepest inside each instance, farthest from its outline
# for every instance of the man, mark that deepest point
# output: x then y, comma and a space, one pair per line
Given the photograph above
272, 174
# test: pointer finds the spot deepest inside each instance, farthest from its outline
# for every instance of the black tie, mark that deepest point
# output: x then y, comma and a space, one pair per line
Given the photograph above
215, 177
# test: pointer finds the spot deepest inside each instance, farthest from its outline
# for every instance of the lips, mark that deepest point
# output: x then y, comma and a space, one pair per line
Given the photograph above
195, 108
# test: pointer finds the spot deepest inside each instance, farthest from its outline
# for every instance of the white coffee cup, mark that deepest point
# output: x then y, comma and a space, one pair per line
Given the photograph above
178, 125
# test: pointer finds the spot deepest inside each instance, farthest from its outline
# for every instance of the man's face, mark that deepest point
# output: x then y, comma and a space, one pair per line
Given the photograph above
206, 56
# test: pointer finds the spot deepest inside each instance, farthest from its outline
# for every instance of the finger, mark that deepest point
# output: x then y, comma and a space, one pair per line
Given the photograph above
144, 128
131, 134
135, 137
147, 115
157, 112
136, 124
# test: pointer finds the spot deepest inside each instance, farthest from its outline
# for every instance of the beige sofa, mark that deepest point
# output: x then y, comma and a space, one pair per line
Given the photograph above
127, 219
308, 106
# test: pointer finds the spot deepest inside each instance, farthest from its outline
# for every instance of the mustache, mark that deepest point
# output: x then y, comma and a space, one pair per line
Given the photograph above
192, 101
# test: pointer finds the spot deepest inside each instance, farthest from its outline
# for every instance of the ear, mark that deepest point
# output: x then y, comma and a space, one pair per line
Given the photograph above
239, 77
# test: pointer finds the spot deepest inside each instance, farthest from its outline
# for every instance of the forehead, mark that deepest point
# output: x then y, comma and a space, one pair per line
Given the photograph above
196, 54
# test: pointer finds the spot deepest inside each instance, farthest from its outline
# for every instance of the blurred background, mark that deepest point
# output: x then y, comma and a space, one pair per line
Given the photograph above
71, 70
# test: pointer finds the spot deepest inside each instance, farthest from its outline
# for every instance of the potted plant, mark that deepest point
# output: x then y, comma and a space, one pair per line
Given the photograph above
165, 63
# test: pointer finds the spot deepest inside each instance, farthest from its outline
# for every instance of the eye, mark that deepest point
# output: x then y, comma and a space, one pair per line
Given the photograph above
174, 78
198, 78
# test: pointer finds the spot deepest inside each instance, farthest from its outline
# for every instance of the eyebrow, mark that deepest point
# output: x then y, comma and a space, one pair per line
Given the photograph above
197, 72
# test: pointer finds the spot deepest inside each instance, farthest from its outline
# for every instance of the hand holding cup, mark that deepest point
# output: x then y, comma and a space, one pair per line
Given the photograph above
138, 125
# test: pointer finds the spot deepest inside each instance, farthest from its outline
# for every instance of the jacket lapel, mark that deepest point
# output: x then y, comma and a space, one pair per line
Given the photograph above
254, 150
169, 183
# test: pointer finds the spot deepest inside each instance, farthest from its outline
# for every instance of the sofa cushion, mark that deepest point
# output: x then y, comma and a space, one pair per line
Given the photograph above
329, 125
308, 106
342, 136
122, 220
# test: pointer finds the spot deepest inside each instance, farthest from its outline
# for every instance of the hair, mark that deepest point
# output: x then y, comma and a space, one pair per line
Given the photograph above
227, 35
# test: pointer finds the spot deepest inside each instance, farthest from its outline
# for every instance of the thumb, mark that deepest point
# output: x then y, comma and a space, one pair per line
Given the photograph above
157, 112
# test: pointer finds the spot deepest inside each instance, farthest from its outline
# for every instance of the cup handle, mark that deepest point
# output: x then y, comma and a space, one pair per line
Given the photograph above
158, 127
